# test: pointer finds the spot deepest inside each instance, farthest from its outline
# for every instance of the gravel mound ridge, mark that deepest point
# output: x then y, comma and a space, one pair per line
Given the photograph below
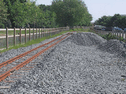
71, 68
86, 39
114, 47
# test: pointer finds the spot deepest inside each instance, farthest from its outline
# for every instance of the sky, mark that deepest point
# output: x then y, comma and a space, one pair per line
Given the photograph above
99, 8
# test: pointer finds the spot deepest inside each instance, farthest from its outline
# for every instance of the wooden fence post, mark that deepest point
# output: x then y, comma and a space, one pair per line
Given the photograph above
119, 33
39, 32
7, 38
57, 32
48, 33
14, 37
116, 33
33, 34
44, 32
29, 34
25, 35
36, 33
20, 36
123, 34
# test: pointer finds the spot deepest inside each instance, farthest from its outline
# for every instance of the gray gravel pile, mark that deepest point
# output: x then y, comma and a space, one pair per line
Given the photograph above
114, 47
87, 39
74, 69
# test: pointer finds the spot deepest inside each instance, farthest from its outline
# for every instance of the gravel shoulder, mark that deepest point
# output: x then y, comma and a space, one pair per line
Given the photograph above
77, 65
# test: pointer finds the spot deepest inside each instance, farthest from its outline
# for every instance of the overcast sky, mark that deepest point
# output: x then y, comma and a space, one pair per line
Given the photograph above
99, 8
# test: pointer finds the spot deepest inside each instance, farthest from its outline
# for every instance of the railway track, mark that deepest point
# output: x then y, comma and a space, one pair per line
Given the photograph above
23, 62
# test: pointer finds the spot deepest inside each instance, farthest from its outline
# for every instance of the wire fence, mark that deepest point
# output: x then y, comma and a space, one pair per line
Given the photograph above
118, 34
14, 36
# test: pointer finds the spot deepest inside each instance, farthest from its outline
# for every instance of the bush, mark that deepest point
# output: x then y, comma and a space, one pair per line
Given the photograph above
110, 36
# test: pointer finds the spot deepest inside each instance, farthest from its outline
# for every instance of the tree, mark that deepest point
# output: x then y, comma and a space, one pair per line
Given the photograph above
49, 19
3, 14
44, 7
68, 12
18, 14
14, 6
32, 12
86, 20
104, 20
12, 1
112, 21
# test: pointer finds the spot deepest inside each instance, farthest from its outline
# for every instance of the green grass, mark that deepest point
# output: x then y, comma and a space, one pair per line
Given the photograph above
33, 41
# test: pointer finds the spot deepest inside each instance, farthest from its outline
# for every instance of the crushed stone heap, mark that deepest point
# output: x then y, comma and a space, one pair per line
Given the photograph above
113, 46
86, 39
68, 68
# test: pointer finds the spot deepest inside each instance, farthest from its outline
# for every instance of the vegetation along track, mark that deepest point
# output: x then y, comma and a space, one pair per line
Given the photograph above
10, 66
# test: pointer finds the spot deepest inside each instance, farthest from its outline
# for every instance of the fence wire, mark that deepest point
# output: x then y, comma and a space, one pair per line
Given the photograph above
37, 34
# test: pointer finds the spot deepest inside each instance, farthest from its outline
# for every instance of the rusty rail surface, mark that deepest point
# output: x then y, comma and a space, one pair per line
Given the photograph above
8, 73
24, 54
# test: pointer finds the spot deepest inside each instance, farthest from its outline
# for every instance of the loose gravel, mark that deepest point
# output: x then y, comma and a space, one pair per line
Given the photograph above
81, 64
87, 39
114, 47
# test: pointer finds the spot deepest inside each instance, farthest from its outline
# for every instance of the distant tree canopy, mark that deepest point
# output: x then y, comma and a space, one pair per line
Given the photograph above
44, 7
70, 12
111, 21
3, 13
24, 13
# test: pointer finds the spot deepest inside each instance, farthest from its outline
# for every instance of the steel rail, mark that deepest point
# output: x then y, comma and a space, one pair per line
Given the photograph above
22, 55
8, 73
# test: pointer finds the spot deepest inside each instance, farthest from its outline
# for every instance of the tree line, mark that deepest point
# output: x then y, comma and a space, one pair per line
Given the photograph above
112, 21
25, 13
